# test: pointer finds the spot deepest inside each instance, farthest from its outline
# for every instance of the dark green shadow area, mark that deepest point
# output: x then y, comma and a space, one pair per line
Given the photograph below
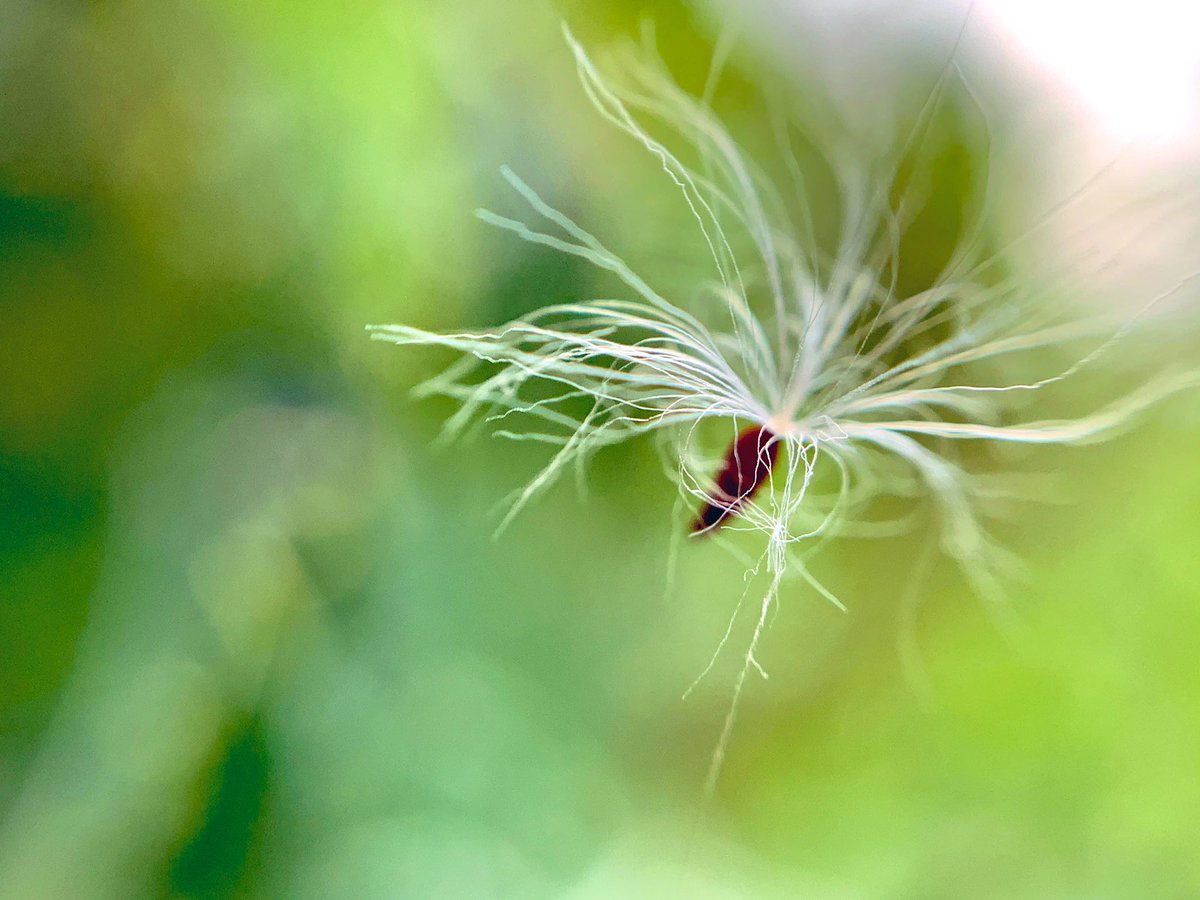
219, 857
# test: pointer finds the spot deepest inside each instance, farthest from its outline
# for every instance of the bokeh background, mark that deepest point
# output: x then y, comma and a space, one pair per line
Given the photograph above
255, 636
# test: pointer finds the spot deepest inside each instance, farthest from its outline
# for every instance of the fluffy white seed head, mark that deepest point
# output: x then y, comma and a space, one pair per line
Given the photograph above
822, 349
823, 352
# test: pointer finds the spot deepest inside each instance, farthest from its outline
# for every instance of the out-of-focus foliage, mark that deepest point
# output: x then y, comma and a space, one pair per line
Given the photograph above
255, 638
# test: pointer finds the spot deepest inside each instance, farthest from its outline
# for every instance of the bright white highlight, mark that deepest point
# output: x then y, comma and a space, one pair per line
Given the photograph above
1134, 65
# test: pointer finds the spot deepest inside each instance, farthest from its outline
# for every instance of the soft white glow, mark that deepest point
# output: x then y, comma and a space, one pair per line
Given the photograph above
1135, 65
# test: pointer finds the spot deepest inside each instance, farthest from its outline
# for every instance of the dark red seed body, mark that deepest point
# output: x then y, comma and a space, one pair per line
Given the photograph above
749, 461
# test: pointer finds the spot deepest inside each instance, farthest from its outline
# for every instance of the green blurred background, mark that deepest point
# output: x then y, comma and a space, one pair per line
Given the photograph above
255, 636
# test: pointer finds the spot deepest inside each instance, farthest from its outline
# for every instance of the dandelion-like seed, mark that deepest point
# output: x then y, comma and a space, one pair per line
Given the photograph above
811, 360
